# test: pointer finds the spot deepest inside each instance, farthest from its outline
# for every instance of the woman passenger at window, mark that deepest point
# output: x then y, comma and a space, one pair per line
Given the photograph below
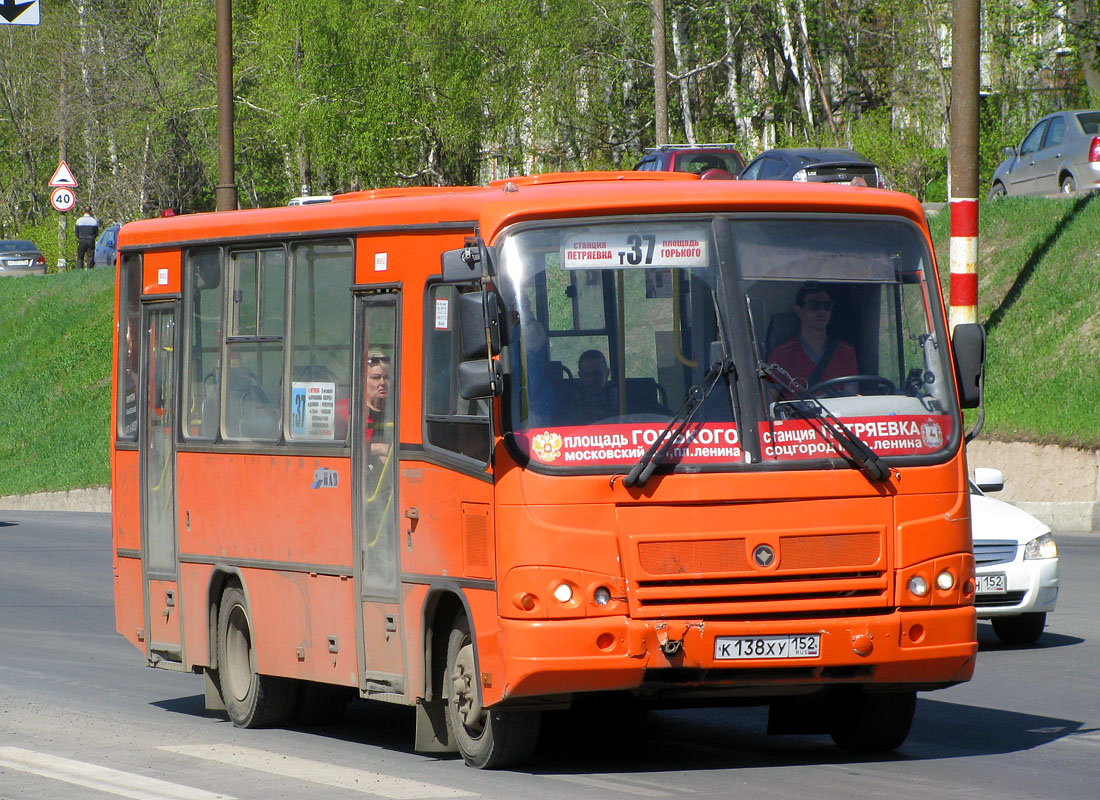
377, 393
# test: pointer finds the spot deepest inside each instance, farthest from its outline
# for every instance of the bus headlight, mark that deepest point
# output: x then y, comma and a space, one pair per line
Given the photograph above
602, 596
918, 586
945, 581
1041, 547
563, 593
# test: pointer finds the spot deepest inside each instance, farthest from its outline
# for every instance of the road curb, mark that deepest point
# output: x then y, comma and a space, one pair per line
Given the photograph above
95, 500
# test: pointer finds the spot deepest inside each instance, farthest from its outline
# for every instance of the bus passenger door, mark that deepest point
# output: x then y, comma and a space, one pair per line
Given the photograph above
374, 471
157, 444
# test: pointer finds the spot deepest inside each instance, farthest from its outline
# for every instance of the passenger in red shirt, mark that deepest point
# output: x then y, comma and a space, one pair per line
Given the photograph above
813, 355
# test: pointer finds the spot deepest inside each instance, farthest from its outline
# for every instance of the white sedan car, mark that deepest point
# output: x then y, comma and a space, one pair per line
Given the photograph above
1016, 561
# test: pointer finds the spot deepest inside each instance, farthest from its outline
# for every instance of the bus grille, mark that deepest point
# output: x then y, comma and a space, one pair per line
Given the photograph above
814, 573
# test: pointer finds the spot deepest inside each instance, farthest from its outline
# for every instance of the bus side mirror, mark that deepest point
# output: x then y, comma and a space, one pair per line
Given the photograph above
478, 312
466, 263
479, 379
968, 349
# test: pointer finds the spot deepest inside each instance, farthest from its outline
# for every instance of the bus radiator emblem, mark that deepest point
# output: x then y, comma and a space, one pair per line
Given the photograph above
763, 555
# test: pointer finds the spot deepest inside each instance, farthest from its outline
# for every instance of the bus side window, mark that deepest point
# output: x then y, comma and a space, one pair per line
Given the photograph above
450, 422
204, 344
320, 340
129, 361
255, 344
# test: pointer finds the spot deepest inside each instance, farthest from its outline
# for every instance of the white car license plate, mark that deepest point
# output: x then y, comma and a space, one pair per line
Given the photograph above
992, 584
19, 262
801, 645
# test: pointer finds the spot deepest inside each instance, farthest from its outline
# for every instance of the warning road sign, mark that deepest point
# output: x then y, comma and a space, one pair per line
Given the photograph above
63, 176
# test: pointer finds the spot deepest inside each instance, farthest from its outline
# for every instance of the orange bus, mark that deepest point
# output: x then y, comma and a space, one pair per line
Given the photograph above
489, 451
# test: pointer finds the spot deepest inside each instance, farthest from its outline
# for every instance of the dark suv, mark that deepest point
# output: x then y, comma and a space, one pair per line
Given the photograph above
814, 165
710, 160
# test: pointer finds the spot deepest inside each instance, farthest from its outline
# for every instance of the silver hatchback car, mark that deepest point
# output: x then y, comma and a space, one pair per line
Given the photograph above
1060, 154
21, 257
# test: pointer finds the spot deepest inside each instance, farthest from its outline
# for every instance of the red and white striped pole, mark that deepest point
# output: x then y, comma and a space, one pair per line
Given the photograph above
964, 261
964, 162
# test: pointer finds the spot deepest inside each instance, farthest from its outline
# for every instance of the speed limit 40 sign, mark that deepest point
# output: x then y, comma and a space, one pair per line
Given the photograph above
62, 198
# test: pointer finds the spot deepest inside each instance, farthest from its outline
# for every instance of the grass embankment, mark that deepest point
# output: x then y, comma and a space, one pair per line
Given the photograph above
55, 381
1039, 297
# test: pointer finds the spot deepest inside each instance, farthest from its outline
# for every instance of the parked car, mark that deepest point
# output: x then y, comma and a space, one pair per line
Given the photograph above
1015, 561
706, 160
106, 247
814, 165
1060, 154
21, 257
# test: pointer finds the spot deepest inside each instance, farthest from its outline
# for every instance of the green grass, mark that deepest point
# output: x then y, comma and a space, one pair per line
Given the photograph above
1039, 297
55, 376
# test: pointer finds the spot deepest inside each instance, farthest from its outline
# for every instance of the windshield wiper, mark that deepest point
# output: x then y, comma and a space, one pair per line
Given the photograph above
864, 457
694, 398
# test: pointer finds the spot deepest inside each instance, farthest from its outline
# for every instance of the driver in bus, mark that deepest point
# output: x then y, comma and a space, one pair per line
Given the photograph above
599, 397
813, 355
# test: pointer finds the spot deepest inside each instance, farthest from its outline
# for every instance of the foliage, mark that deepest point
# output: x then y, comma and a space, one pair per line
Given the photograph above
334, 95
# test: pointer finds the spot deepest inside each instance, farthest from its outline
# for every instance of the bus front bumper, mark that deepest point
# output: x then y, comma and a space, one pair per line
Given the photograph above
922, 649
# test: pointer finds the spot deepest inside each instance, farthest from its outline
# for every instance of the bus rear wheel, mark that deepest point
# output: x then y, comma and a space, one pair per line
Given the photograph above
487, 738
864, 722
251, 700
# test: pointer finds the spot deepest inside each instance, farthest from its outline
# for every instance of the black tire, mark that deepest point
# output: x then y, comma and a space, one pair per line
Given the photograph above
863, 722
1068, 185
997, 192
251, 700
320, 704
1021, 629
487, 738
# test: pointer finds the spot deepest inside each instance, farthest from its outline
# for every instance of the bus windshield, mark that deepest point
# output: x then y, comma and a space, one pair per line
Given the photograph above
822, 321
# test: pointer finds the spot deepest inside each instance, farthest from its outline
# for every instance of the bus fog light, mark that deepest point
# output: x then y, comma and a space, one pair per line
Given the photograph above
945, 580
918, 586
563, 593
602, 596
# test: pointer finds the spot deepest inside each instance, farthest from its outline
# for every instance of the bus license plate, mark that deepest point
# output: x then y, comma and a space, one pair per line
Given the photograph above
804, 645
992, 584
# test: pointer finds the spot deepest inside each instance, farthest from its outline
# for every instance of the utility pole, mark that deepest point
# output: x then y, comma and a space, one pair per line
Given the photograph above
62, 152
965, 71
660, 74
225, 194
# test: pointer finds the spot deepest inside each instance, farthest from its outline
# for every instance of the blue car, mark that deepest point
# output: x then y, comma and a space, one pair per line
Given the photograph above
106, 247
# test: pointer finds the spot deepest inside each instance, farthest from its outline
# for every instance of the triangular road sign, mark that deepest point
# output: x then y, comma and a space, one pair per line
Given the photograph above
63, 176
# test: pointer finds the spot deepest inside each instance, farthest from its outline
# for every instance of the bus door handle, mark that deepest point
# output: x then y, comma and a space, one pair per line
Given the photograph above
412, 514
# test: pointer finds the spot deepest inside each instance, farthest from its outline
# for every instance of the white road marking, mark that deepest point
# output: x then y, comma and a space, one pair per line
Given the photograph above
613, 786
356, 780
104, 779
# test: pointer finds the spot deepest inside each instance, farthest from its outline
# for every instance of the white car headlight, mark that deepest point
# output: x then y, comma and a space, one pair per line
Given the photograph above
1041, 547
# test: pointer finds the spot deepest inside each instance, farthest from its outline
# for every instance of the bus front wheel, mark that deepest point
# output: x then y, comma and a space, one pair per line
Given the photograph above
487, 738
863, 722
251, 700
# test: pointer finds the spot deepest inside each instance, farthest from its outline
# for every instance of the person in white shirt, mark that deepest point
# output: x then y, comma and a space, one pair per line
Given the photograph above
87, 228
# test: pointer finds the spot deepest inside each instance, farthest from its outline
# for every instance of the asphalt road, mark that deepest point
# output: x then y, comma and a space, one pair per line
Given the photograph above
82, 717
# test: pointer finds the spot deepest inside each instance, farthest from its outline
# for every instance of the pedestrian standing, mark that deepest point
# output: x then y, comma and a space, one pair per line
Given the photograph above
87, 228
